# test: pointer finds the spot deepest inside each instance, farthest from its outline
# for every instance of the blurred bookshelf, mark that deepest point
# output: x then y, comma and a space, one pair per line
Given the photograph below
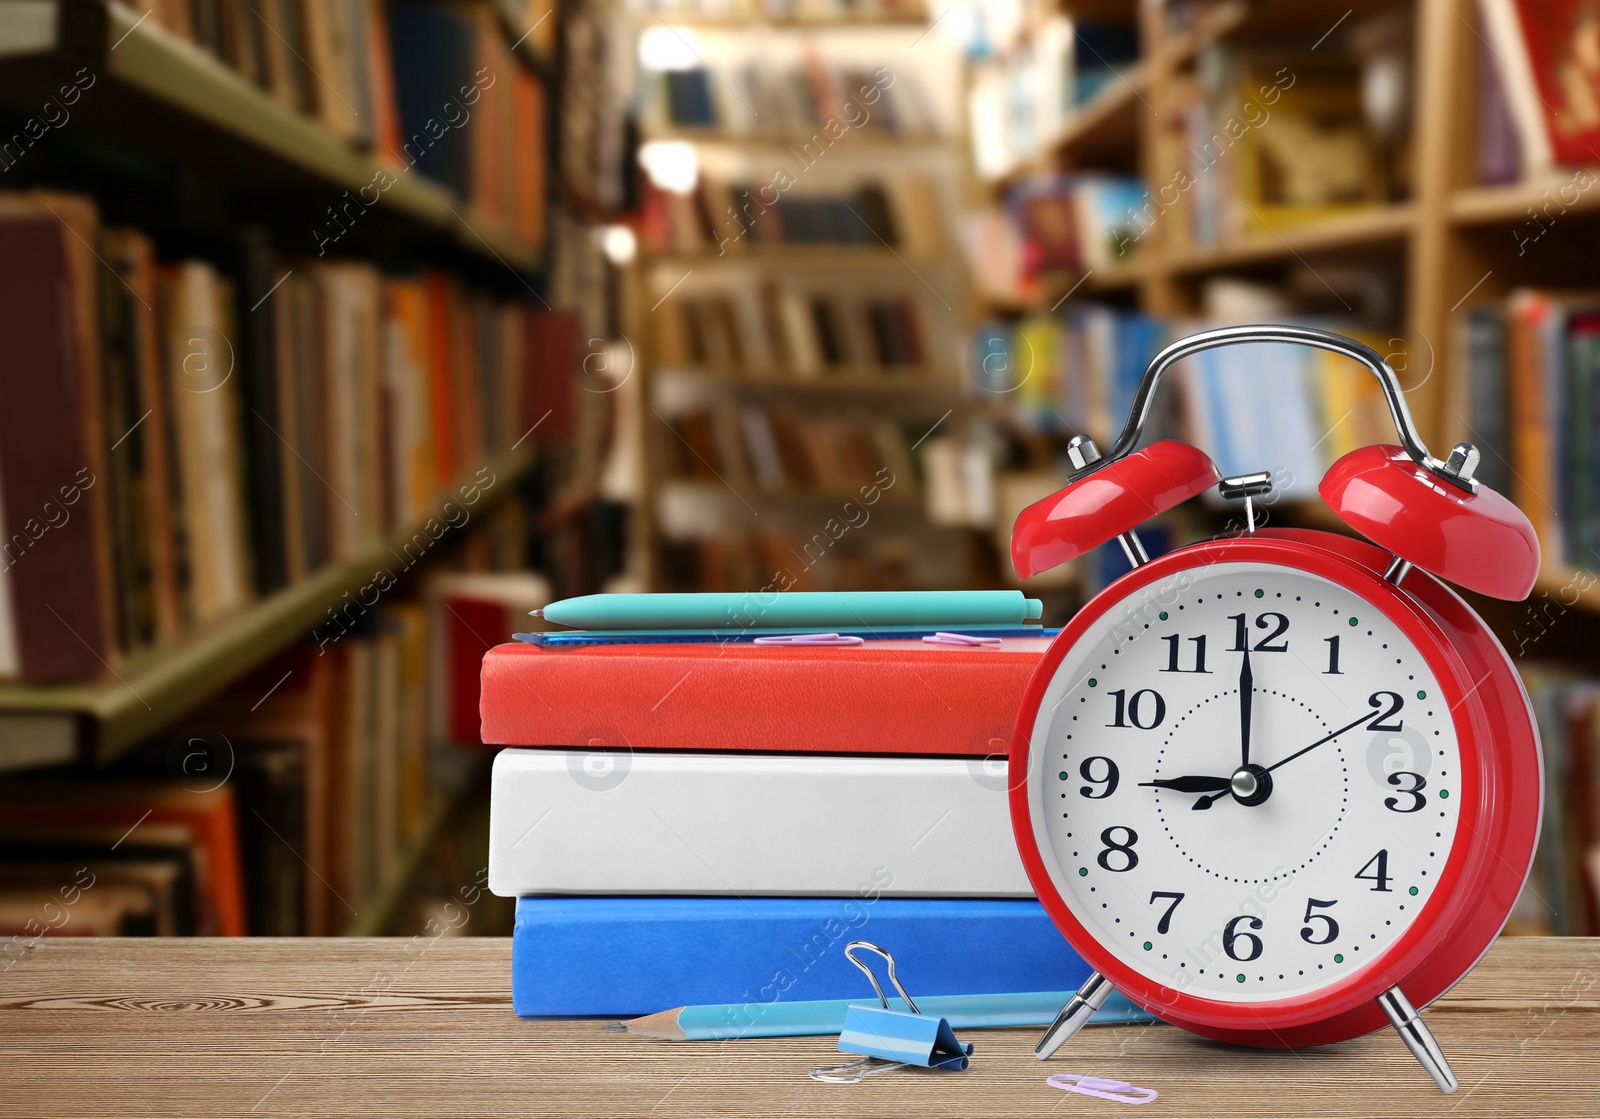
276, 215
798, 281
1152, 199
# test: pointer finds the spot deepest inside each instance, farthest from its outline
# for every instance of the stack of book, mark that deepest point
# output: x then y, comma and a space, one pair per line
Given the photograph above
712, 821
197, 437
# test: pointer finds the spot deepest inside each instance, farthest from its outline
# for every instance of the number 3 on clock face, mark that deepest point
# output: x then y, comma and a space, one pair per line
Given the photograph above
1243, 787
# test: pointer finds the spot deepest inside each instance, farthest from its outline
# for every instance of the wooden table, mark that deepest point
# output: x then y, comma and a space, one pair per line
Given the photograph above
400, 1028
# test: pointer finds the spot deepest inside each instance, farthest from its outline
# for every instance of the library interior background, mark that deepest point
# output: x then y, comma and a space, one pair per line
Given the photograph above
341, 334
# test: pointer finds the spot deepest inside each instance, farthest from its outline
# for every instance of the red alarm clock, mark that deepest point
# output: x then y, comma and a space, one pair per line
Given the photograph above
1279, 788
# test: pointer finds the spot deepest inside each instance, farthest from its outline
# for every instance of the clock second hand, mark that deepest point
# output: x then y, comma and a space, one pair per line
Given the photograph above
1208, 801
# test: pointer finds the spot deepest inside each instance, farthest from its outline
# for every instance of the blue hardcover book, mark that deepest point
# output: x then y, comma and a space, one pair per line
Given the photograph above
623, 956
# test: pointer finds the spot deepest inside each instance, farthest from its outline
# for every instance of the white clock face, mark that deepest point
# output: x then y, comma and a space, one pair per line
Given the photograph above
1202, 884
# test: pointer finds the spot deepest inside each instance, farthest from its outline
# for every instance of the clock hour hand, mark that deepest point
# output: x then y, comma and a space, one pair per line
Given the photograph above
1190, 784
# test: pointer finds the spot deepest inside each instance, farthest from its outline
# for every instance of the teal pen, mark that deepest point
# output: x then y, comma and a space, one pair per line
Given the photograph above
805, 1019
801, 610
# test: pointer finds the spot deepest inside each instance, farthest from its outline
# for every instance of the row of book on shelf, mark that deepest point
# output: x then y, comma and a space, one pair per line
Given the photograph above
778, 450
1289, 410
789, 331
282, 807
1029, 76
425, 85
812, 103
193, 438
1057, 223
1257, 140
902, 213
1530, 399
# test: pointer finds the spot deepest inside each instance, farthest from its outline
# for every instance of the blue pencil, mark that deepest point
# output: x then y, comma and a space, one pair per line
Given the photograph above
803, 1019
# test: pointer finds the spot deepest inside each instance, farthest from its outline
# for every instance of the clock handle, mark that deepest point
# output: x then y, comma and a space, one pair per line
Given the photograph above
1139, 413
1418, 1038
1075, 1015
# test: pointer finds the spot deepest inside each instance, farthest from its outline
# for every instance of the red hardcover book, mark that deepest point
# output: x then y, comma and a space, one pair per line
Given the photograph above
882, 697
1560, 36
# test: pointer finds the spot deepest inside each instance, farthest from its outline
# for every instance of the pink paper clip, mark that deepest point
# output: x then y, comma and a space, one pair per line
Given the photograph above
943, 638
810, 639
1103, 1089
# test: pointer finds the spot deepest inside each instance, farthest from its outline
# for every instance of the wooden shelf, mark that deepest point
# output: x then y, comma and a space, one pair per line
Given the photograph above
1512, 202
1214, 26
1110, 118
136, 53
1053, 288
1570, 586
1362, 228
157, 687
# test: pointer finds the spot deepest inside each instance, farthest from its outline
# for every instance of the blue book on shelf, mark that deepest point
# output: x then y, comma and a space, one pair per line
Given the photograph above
622, 956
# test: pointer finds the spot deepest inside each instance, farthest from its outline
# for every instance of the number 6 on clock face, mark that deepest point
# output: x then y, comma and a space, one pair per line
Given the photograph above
1239, 787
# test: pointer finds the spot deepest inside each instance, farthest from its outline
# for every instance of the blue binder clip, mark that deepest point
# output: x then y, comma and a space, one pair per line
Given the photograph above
891, 1039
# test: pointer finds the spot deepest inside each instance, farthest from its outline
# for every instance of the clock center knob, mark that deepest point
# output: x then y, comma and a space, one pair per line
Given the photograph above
1250, 785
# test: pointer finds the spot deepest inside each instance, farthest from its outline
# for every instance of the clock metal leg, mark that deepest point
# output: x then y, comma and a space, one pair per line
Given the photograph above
1418, 1038
1090, 997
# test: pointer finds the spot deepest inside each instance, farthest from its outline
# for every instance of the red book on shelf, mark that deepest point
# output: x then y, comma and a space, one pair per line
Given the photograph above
1559, 35
882, 697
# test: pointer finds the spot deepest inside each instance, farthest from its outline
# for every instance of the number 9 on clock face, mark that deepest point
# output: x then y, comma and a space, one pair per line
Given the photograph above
1246, 790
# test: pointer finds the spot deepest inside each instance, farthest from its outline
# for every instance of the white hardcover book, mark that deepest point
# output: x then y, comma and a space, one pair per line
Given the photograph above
657, 822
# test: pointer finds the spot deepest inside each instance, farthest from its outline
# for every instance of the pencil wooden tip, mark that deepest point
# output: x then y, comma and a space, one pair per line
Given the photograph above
663, 1025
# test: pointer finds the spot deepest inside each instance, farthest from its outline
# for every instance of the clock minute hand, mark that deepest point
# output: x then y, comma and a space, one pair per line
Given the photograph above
1189, 784
1207, 801
1367, 718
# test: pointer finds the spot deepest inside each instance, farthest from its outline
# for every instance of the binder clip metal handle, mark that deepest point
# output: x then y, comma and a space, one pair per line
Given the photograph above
849, 954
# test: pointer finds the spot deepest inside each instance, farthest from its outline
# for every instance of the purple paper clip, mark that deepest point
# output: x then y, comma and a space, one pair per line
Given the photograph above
810, 639
943, 638
1102, 1089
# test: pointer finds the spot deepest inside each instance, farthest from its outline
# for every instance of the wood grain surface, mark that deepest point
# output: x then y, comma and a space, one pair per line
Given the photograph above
398, 1028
